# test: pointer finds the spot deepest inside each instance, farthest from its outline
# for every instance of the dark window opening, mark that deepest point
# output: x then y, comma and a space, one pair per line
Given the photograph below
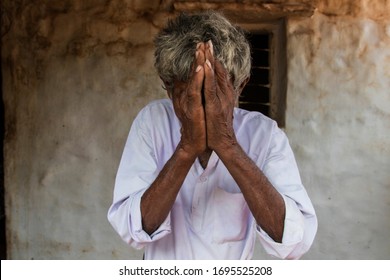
256, 94
267, 87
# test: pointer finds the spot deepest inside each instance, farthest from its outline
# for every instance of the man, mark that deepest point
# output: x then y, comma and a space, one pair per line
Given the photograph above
200, 178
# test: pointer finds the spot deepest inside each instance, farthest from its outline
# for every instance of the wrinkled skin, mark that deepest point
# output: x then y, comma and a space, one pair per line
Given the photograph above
209, 127
187, 102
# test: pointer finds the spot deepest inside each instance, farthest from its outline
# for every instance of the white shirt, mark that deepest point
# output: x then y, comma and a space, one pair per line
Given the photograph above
210, 218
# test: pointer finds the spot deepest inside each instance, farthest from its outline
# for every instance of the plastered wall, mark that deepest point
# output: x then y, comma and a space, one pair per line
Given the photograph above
75, 73
338, 120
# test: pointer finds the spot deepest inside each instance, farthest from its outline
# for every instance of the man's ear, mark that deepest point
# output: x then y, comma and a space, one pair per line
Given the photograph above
239, 90
241, 87
168, 87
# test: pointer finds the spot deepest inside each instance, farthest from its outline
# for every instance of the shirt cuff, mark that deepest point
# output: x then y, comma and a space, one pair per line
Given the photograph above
139, 235
292, 234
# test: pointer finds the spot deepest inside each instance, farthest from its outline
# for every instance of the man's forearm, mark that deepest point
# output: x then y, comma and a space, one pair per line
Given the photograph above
264, 201
158, 199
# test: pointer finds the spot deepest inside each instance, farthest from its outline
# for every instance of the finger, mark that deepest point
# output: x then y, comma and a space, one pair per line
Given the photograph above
209, 80
196, 61
196, 81
222, 75
193, 87
200, 54
210, 51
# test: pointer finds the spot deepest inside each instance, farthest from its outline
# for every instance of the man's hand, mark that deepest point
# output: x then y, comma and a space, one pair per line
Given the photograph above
208, 126
187, 102
219, 103
265, 203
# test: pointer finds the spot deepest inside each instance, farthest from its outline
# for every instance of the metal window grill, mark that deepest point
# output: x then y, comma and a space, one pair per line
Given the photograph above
256, 94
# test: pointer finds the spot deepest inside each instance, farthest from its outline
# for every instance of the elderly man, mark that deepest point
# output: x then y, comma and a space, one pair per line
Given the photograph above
200, 178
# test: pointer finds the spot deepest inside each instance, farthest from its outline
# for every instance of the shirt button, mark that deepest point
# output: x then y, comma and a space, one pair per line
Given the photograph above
203, 178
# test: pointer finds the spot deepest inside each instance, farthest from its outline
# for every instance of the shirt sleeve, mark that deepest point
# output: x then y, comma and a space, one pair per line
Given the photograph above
137, 171
300, 224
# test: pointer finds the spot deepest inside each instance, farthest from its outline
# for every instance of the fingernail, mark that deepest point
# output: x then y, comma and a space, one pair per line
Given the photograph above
196, 54
209, 64
211, 47
198, 68
198, 45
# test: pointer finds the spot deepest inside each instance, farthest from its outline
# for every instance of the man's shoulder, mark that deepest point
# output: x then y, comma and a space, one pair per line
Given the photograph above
253, 119
159, 103
158, 108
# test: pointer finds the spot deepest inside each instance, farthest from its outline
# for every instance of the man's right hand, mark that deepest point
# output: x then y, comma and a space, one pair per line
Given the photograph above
187, 102
158, 199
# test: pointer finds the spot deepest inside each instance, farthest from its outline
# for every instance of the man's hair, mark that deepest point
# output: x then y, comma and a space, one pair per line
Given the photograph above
176, 46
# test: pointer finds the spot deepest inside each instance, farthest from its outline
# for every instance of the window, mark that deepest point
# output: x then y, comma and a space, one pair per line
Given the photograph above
266, 89
255, 96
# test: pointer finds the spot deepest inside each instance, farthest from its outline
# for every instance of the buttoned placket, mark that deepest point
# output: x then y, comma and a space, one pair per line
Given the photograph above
201, 191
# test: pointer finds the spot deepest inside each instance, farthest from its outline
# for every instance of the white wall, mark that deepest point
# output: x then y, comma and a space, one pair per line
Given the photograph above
75, 73
338, 121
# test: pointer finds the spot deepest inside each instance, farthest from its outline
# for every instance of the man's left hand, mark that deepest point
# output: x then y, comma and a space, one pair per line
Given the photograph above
219, 103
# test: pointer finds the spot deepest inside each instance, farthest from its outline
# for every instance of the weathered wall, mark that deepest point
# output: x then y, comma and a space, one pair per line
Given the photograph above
338, 120
75, 73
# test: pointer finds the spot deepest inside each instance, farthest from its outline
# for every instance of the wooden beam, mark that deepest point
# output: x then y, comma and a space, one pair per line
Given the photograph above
249, 12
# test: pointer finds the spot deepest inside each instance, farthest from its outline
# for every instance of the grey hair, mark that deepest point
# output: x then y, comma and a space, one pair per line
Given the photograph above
175, 46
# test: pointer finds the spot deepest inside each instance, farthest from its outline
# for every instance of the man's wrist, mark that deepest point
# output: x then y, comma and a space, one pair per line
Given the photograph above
185, 155
225, 148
